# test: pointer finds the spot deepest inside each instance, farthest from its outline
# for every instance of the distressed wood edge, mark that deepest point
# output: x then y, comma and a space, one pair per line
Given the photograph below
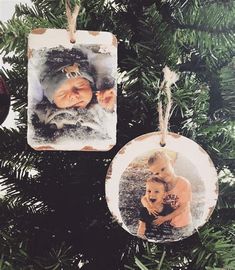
38, 31
114, 41
94, 33
43, 148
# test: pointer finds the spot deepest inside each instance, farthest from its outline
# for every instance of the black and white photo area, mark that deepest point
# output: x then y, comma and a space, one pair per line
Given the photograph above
83, 116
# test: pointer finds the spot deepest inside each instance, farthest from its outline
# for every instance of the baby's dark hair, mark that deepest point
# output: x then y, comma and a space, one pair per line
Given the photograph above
155, 179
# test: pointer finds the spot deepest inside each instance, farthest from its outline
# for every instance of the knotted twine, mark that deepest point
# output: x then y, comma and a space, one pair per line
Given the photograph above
170, 77
72, 20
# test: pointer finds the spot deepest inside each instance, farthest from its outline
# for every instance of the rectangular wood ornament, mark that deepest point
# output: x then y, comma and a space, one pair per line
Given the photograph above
72, 90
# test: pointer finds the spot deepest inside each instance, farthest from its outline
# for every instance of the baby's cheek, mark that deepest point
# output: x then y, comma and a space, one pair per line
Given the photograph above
61, 102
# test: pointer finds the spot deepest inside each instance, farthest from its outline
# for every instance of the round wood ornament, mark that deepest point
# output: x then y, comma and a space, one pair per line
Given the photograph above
161, 194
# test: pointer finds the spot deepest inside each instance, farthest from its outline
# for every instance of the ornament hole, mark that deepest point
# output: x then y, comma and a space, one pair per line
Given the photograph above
162, 144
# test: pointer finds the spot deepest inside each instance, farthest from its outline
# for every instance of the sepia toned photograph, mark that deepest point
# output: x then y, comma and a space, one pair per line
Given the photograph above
72, 98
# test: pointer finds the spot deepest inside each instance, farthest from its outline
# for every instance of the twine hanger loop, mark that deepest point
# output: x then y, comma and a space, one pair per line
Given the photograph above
72, 20
170, 77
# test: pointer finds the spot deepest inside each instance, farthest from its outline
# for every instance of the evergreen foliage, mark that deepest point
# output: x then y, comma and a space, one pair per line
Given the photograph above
54, 214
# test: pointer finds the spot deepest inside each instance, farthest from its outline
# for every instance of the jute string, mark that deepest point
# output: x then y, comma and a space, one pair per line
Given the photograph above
170, 77
72, 20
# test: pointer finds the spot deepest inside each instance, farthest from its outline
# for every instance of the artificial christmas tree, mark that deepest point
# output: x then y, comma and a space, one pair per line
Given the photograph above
54, 213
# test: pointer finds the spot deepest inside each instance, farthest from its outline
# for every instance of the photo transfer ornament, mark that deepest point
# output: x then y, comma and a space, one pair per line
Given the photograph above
161, 194
72, 90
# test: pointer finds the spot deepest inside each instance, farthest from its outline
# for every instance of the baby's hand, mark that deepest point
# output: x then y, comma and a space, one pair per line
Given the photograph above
152, 211
159, 220
107, 99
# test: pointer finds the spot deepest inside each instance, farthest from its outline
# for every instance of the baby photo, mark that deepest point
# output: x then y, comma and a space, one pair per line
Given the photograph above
72, 97
161, 197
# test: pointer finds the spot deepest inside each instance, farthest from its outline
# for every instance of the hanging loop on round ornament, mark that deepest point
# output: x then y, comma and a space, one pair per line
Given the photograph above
164, 111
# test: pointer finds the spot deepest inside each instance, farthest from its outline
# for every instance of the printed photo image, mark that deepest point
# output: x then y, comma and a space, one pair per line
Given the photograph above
72, 98
161, 197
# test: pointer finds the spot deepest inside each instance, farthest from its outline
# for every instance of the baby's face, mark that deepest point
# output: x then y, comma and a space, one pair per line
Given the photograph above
74, 92
155, 192
162, 168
